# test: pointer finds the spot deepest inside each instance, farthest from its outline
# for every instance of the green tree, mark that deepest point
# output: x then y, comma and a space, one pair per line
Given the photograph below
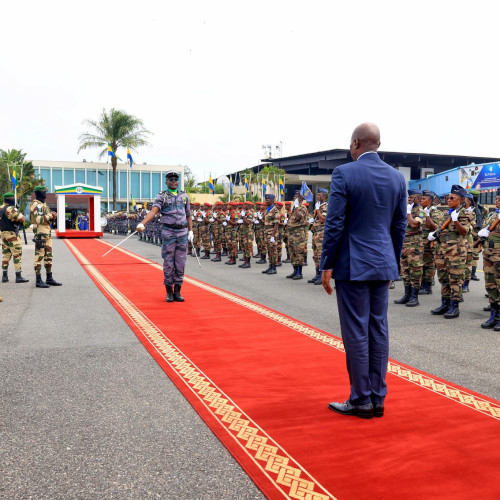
117, 129
25, 172
190, 185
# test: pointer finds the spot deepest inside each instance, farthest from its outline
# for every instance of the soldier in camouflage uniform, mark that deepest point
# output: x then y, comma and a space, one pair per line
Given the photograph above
470, 243
204, 227
281, 233
232, 226
297, 234
10, 222
491, 265
271, 223
246, 233
317, 222
288, 212
42, 218
452, 254
433, 220
481, 215
259, 231
412, 256
217, 227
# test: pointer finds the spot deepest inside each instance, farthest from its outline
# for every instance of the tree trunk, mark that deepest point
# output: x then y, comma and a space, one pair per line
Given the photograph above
114, 163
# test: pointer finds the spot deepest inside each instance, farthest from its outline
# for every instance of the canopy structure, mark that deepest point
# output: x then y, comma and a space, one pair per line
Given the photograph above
76, 198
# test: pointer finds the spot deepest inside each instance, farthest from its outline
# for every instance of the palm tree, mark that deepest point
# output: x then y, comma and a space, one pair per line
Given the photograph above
118, 129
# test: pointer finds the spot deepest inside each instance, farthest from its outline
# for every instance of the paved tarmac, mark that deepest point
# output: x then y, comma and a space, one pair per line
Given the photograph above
85, 411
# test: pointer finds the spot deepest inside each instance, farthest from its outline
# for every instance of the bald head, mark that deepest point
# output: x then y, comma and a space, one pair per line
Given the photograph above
366, 137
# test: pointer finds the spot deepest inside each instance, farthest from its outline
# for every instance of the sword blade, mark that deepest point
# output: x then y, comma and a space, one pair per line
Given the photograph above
123, 241
196, 255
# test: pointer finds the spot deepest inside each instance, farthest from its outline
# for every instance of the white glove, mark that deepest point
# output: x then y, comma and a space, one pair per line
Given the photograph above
484, 233
286, 222
454, 216
256, 222
311, 220
296, 203
408, 208
259, 214
318, 204
431, 236
140, 227
199, 219
211, 219
427, 210
190, 236
224, 223
242, 212
272, 240
228, 217
498, 215
240, 221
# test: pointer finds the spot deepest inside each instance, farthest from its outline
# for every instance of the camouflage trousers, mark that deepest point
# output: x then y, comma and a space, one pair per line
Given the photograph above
246, 239
260, 238
429, 263
174, 252
297, 241
232, 237
285, 240
205, 236
196, 234
317, 244
450, 264
491, 267
475, 253
11, 247
279, 242
468, 262
412, 261
44, 254
217, 237
271, 247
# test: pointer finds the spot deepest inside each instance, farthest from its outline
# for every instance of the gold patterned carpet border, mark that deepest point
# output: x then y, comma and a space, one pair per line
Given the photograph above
443, 389
274, 462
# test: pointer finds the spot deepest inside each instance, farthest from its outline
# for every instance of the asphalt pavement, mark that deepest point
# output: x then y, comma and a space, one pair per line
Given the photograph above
85, 411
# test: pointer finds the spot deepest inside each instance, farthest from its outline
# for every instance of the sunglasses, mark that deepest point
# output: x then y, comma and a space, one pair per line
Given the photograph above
173, 179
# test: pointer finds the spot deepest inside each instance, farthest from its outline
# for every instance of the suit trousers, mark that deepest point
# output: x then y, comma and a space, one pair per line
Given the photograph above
363, 322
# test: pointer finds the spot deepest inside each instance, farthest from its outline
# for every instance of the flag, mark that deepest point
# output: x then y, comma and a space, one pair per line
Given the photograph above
231, 185
305, 192
211, 185
13, 177
110, 151
129, 157
133, 203
264, 188
246, 185
282, 187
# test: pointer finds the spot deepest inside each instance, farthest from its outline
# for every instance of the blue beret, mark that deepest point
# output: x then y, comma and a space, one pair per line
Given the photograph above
297, 191
468, 195
321, 190
431, 194
457, 189
269, 196
414, 191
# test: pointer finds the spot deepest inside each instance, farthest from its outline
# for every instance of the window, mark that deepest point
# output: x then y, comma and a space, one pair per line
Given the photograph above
69, 176
446, 178
146, 185
134, 181
91, 180
123, 185
102, 181
45, 174
80, 175
57, 179
156, 184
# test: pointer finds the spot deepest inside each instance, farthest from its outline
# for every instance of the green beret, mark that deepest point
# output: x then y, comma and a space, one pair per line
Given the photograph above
40, 188
8, 195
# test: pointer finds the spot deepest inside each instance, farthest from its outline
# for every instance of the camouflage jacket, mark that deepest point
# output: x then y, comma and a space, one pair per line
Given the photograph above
13, 215
272, 216
436, 216
495, 234
301, 220
451, 234
41, 217
322, 210
419, 216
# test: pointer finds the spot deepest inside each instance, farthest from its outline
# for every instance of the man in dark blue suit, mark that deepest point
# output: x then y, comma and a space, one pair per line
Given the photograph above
364, 232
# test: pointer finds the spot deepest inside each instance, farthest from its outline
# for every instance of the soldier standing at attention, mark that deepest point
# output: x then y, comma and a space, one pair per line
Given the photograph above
281, 230
232, 232
318, 227
412, 256
297, 233
288, 212
197, 218
173, 208
491, 259
469, 243
481, 215
452, 253
260, 238
246, 233
217, 230
10, 221
271, 222
42, 218
204, 226
433, 220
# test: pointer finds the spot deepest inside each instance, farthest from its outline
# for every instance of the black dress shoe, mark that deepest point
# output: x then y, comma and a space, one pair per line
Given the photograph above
378, 410
346, 408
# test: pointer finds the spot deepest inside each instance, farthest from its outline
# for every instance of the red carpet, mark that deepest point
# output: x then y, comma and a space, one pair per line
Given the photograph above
262, 382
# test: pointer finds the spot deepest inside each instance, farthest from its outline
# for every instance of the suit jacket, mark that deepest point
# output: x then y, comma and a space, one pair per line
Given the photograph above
366, 221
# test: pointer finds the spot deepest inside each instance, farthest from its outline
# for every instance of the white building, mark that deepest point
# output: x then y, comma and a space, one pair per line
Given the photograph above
141, 182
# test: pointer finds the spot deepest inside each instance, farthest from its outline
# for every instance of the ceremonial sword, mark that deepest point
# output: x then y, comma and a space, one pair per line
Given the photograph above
123, 241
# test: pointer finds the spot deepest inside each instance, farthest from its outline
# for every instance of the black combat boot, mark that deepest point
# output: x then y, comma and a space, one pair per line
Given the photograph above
217, 257
413, 298
19, 278
298, 275
245, 264
51, 281
294, 272
473, 276
406, 297
170, 293
177, 294
493, 319
318, 281
305, 260
272, 270
287, 260
40, 283
268, 269
313, 280
257, 255
5, 277
206, 256
262, 259
445, 305
425, 289
453, 311
487, 308
465, 286
231, 261
224, 252
278, 264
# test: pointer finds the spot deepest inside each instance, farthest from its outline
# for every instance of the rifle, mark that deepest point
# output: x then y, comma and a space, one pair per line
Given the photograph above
446, 223
22, 226
480, 242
